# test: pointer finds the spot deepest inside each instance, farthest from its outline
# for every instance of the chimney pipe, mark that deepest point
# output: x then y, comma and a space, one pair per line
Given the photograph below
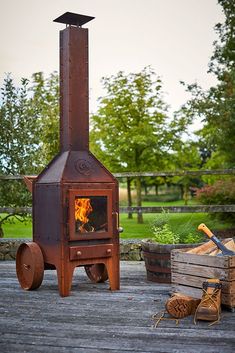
74, 99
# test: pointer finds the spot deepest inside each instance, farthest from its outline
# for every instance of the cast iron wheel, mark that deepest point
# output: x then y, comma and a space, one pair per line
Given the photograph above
29, 266
97, 273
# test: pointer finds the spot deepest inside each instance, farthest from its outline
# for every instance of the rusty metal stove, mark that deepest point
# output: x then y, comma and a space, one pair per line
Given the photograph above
75, 198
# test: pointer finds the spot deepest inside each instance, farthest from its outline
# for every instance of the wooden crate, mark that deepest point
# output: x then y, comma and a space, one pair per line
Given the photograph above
189, 271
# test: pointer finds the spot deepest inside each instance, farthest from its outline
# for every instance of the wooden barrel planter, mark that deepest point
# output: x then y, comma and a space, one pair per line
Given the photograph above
157, 259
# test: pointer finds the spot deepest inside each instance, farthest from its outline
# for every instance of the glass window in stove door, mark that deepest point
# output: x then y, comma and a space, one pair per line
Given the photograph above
91, 214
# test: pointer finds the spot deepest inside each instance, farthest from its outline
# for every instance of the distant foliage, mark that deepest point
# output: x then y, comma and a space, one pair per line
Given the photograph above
221, 193
132, 130
215, 106
162, 198
45, 108
29, 119
19, 143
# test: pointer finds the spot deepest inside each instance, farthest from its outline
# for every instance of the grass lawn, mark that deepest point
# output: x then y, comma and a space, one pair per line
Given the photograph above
168, 203
17, 229
131, 229
180, 222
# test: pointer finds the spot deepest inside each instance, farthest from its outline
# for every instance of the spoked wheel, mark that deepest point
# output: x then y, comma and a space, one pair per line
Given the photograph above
97, 273
29, 266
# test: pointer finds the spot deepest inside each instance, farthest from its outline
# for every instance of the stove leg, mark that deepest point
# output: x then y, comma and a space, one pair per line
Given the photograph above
114, 273
65, 277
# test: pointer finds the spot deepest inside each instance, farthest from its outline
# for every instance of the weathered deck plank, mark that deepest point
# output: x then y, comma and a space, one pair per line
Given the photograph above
93, 319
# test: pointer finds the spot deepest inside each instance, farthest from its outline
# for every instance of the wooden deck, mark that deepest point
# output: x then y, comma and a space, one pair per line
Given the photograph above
95, 320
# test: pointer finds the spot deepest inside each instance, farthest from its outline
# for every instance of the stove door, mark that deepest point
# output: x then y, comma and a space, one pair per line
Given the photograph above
90, 214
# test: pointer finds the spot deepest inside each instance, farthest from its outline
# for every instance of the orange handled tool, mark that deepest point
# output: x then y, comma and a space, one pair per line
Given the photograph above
208, 232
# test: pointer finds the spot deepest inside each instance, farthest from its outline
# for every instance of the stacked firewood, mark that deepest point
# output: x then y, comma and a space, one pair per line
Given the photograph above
209, 248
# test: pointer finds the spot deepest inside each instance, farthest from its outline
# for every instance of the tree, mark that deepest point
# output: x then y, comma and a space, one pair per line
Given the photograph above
19, 143
29, 117
30, 124
186, 157
20, 140
45, 107
216, 106
131, 130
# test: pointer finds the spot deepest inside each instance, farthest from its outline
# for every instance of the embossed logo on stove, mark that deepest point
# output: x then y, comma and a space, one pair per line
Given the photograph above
83, 167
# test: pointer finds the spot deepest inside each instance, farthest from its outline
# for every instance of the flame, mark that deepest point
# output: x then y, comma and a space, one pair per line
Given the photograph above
82, 210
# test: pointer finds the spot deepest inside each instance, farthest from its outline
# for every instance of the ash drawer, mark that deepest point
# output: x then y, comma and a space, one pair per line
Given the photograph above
90, 251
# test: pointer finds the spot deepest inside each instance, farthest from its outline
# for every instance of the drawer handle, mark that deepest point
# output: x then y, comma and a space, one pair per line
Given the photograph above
108, 251
79, 253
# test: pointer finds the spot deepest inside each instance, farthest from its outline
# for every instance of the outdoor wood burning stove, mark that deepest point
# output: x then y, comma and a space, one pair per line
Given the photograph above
75, 198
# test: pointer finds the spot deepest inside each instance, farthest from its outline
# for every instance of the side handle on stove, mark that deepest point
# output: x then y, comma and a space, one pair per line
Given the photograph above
119, 229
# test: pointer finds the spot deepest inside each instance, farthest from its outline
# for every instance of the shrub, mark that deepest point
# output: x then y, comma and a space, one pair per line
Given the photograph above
222, 192
162, 198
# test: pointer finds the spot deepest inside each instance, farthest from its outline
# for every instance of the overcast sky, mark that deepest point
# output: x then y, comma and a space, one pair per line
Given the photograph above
173, 36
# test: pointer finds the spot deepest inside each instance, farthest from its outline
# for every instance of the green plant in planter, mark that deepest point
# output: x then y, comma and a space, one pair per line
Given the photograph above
192, 238
165, 238
164, 233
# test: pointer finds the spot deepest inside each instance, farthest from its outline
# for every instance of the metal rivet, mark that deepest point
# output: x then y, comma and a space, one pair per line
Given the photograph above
26, 267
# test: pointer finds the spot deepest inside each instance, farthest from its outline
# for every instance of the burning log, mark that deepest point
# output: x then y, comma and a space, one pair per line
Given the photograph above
82, 210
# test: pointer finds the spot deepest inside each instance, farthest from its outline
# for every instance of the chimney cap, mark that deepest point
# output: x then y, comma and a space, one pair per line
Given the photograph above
75, 19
